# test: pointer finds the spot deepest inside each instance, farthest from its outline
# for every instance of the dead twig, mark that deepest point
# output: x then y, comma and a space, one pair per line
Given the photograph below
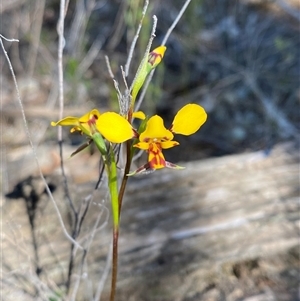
33, 148
165, 39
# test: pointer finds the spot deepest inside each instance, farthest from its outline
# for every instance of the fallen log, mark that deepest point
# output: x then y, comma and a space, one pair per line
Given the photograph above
222, 229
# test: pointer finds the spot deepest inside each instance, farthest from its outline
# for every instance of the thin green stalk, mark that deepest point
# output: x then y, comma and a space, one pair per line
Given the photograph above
116, 229
111, 169
113, 187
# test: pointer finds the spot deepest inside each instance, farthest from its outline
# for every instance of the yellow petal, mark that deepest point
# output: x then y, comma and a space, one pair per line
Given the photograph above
114, 127
139, 115
142, 145
169, 144
155, 129
188, 119
73, 121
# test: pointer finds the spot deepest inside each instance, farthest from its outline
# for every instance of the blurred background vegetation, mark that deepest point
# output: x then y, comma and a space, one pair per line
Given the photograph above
239, 59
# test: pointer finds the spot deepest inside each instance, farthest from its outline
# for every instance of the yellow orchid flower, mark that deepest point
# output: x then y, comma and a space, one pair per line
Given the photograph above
84, 124
110, 125
156, 137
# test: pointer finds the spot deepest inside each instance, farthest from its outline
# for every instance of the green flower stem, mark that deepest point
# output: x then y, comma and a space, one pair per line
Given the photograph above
111, 169
113, 187
116, 229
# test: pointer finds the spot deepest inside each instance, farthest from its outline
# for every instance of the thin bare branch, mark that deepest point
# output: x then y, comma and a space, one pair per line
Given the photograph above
33, 148
95, 229
132, 47
61, 45
184, 7
147, 49
292, 11
111, 74
124, 78
164, 41
125, 99
8, 40
104, 273
138, 155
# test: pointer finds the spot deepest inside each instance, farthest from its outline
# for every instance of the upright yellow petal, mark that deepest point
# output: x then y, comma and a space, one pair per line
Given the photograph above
155, 129
139, 115
67, 121
188, 119
114, 127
